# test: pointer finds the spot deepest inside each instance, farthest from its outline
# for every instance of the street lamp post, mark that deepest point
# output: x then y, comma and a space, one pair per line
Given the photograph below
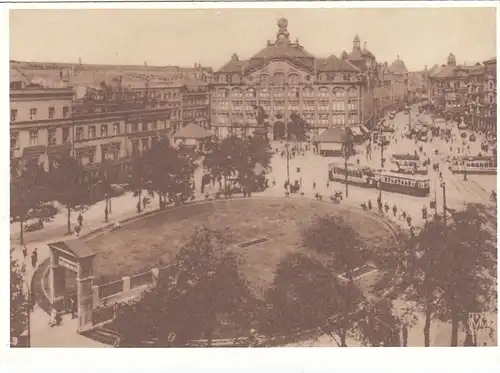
443, 186
346, 171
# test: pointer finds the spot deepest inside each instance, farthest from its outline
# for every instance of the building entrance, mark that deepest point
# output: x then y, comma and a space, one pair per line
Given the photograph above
75, 257
279, 131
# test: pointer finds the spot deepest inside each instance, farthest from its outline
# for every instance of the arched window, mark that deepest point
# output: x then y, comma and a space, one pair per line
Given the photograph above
293, 79
264, 92
279, 77
222, 92
251, 92
236, 92
339, 92
323, 92
279, 92
264, 78
308, 92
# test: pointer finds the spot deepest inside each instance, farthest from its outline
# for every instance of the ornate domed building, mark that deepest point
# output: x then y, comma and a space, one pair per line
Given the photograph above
283, 78
398, 75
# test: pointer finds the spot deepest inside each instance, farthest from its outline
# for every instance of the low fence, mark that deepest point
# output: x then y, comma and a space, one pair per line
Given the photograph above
106, 297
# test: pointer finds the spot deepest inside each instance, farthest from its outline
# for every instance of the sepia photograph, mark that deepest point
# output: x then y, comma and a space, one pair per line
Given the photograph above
253, 177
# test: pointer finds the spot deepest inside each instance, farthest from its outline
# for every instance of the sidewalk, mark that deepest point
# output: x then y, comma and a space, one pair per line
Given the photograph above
64, 335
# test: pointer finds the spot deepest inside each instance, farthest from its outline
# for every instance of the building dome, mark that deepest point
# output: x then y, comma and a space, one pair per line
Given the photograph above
452, 60
398, 67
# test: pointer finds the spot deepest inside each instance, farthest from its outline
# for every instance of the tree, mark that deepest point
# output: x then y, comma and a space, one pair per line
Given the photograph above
338, 242
30, 195
379, 325
19, 309
307, 294
238, 157
446, 272
207, 286
227, 157
68, 186
298, 128
168, 171
468, 267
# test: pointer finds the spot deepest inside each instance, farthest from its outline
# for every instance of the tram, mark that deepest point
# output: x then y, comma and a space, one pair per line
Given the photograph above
486, 165
408, 164
357, 175
414, 185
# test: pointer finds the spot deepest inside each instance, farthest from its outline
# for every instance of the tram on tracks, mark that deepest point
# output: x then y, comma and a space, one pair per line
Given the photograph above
407, 164
415, 185
356, 175
485, 165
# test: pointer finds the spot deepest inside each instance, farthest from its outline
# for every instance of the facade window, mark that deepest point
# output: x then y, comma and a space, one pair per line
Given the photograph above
339, 92
104, 130
145, 144
236, 92
155, 124
52, 110
14, 140
52, 135
293, 79
308, 92
263, 79
65, 135
33, 137
251, 93
135, 148
323, 92
338, 105
33, 113
135, 127
79, 134
13, 115
116, 129
353, 105
91, 132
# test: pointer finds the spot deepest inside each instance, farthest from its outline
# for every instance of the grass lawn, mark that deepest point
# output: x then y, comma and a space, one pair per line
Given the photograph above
152, 241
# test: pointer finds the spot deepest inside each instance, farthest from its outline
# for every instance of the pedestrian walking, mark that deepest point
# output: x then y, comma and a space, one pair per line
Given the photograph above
394, 210
34, 257
80, 219
25, 252
73, 307
386, 207
408, 220
144, 202
327, 183
370, 204
314, 185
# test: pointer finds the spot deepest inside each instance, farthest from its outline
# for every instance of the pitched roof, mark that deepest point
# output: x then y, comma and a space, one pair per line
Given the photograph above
334, 135
355, 55
334, 63
233, 66
76, 247
192, 131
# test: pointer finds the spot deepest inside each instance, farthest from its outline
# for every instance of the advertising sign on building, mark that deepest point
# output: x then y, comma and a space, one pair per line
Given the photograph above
69, 264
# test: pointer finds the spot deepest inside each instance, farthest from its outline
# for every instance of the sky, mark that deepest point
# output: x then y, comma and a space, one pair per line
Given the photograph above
420, 36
